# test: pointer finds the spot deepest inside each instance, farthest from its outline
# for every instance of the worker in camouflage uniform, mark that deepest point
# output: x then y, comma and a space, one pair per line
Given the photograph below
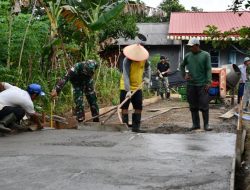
81, 77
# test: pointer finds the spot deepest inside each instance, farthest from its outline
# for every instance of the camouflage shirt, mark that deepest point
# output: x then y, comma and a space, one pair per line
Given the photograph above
78, 75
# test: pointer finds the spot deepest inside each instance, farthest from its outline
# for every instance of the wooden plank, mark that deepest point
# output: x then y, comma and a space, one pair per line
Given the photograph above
162, 109
162, 112
155, 110
240, 145
55, 118
244, 133
239, 124
97, 126
228, 114
157, 114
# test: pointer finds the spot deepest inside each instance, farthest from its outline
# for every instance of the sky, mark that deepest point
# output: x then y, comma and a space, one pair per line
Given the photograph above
206, 5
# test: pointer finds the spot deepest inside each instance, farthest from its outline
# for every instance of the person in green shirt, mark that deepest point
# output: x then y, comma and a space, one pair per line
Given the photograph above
196, 69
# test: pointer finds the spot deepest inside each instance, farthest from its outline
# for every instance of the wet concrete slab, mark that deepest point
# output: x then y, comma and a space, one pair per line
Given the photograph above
90, 160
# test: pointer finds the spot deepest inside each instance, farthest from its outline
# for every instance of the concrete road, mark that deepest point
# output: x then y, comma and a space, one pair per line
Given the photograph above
89, 160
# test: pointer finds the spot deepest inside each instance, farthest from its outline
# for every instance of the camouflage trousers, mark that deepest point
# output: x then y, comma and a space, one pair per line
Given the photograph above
164, 87
78, 92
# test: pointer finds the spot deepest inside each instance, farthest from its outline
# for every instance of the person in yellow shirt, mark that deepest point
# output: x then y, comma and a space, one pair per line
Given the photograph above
135, 70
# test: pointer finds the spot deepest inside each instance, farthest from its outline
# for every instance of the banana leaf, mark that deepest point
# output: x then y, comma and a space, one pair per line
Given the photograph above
107, 16
71, 15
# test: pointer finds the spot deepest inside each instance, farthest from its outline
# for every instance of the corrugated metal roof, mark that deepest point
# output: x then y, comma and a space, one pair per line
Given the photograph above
156, 34
194, 23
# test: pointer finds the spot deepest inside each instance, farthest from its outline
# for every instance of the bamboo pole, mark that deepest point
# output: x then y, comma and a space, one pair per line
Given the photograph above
25, 35
9, 40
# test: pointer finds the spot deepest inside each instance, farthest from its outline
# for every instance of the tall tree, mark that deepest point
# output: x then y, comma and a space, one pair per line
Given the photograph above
171, 6
196, 9
240, 5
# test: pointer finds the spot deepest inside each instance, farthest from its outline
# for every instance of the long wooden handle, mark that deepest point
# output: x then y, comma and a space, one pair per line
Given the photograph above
116, 108
100, 115
52, 107
239, 123
104, 121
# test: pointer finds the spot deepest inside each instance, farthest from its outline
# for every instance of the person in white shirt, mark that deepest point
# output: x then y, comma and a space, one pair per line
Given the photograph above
243, 70
15, 102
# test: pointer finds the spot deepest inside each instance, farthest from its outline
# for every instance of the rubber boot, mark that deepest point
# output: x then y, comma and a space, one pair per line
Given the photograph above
96, 119
94, 113
205, 115
168, 95
10, 122
6, 121
195, 120
3, 129
16, 126
136, 122
161, 94
80, 119
125, 119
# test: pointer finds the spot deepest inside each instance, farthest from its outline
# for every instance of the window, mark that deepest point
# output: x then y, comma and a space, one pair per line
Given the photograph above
215, 58
232, 57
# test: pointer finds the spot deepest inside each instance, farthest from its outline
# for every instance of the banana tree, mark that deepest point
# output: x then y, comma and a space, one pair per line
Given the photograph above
53, 10
90, 18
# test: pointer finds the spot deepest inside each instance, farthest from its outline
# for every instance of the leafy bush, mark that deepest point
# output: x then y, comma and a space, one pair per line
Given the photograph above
107, 84
153, 62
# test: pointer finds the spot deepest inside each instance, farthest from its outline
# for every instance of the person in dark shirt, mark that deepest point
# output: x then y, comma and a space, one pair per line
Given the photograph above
163, 68
196, 69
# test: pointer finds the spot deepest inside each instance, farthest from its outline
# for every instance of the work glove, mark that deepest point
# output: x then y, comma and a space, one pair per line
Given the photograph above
160, 75
128, 95
53, 94
146, 80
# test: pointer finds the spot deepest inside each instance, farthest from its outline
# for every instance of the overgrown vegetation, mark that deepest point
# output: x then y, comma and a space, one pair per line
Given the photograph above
41, 39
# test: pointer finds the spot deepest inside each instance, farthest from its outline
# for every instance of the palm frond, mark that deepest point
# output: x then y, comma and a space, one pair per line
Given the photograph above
71, 15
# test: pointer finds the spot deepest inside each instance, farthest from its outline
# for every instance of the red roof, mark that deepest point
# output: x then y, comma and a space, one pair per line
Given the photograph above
193, 23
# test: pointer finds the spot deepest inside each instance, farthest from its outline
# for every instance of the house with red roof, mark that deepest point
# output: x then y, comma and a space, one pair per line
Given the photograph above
185, 25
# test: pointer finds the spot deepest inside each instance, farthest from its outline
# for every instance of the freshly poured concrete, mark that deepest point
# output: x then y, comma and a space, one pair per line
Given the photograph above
89, 160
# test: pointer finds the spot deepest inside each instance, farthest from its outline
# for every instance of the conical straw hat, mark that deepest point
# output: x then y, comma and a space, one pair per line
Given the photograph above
136, 52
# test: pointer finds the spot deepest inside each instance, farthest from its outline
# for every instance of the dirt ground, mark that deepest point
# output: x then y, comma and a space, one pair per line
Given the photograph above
177, 118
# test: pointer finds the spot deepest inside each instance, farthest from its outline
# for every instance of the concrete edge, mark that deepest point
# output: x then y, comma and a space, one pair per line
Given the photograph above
232, 178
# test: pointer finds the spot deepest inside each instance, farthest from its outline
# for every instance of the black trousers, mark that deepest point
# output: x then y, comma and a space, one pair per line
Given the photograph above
18, 111
136, 100
197, 98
